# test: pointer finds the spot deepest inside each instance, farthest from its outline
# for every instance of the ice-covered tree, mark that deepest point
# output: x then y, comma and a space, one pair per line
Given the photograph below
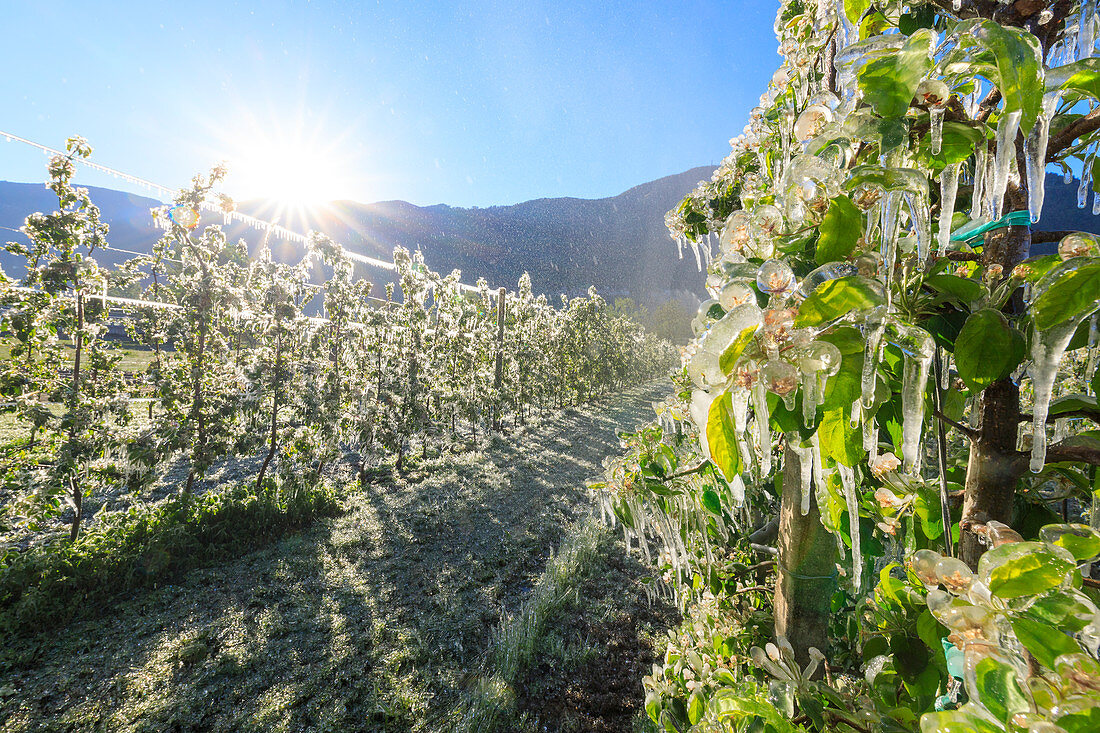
876, 375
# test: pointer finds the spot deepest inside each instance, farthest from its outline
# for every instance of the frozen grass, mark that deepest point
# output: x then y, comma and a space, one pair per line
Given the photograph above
369, 621
516, 641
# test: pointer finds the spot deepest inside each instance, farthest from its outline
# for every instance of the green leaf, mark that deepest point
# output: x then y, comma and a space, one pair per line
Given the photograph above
854, 9
988, 348
1073, 295
1084, 721
1046, 643
733, 352
1029, 574
846, 338
722, 437
957, 143
1073, 403
889, 82
997, 689
1018, 59
711, 501
838, 439
963, 288
840, 230
838, 297
920, 17
696, 707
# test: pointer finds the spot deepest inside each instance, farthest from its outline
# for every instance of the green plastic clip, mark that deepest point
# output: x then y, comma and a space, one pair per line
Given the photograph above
970, 232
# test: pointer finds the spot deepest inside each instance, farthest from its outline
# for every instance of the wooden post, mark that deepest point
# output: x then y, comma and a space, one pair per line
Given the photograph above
498, 377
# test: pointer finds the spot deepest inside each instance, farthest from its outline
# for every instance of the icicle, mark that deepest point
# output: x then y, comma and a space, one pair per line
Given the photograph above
1046, 356
921, 218
1007, 127
890, 206
1067, 177
935, 118
980, 154
1086, 176
1086, 34
1061, 429
805, 466
819, 469
1095, 204
945, 370
956, 5
809, 399
737, 488
949, 187
876, 325
1035, 155
870, 434
848, 481
914, 380
763, 430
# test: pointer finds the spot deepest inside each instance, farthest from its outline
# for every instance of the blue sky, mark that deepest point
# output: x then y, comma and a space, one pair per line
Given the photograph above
467, 103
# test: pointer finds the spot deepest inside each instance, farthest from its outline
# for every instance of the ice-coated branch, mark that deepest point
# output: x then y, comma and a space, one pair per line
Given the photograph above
1078, 128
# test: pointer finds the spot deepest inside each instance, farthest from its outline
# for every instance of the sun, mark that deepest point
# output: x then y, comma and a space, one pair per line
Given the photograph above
291, 169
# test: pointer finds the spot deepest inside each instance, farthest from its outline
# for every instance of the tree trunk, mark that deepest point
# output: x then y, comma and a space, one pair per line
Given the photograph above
807, 568
74, 483
992, 471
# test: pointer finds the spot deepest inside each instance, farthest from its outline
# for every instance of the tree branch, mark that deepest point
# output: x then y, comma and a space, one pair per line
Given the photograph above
1037, 237
964, 429
1078, 128
1093, 415
1060, 452
964, 256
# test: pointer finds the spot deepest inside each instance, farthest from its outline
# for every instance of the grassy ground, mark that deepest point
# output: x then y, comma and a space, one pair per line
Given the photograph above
376, 620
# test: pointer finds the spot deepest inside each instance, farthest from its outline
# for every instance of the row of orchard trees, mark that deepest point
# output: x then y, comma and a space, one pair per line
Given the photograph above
865, 409
239, 366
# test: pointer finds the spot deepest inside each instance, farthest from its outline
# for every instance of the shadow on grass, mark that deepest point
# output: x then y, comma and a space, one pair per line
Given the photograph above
371, 621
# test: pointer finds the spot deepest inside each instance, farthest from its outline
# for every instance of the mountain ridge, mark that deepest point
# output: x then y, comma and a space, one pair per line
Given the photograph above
617, 243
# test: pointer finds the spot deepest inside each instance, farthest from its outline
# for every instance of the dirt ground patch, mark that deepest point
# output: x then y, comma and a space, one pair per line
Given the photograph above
593, 660
370, 621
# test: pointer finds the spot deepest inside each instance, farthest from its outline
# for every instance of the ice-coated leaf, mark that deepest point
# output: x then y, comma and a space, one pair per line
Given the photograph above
987, 349
1045, 642
722, 437
1080, 76
839, 440
840, 230
711, 502
1073, 295
889, 82
838, 297
998, 690
1028, 574
1017, 58
733, 352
